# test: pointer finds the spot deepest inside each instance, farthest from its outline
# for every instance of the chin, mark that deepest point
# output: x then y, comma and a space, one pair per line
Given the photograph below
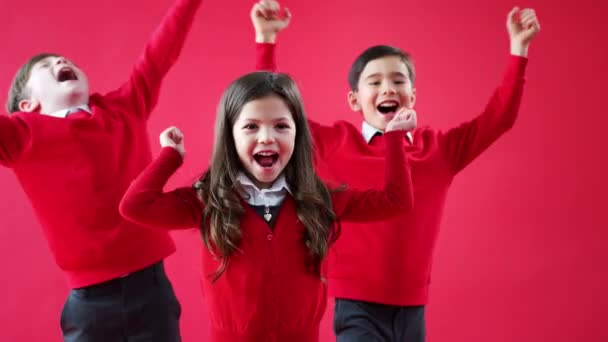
268, 178
381, 125
259, 176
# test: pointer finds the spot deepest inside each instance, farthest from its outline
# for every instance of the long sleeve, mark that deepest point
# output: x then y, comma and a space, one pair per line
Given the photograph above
14, 139
145, 202
141, 91
462, 144
396, 198
326, 139
265, 57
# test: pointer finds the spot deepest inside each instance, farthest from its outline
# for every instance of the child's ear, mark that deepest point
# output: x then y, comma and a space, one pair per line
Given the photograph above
29, 105
353, 101
413, 98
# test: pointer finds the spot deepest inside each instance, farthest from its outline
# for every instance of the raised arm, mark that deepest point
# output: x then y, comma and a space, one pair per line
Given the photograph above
268, 20
141, 91
14, 139
145, 202
462, 144
397, 196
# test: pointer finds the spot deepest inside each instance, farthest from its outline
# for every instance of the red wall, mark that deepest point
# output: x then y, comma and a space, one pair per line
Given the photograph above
522, 253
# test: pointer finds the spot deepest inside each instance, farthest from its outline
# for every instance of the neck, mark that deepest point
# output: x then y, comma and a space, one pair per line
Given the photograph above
65, 103
261, 185
378, 128
257, 183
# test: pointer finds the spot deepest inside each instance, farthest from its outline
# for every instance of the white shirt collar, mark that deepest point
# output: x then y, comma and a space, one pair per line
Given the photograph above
63, 113
270, 197
369, 131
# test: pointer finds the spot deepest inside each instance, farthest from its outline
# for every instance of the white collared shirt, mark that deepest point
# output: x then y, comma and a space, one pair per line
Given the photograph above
369, 131
272, 196
63, 113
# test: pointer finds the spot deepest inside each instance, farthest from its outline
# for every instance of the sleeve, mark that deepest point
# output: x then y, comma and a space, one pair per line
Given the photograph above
265, 57
323, 138
146, 204
462, 144
14, 139
396, 198
139, 94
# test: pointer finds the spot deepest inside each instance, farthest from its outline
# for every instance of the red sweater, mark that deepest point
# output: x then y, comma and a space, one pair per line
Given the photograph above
391, 263
267, 292
75, 170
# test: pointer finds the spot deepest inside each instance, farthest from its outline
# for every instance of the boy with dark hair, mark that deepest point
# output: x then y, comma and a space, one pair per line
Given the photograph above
380, 277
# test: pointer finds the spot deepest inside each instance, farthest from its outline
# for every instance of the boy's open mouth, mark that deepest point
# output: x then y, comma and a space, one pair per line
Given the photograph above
388, 107
66, 74
266, 158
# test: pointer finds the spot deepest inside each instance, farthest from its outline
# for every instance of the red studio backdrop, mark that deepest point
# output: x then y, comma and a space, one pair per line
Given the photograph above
522, 253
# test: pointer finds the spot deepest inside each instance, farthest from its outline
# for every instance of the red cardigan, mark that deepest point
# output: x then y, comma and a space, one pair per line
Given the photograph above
268, 293
75, 170
390, 262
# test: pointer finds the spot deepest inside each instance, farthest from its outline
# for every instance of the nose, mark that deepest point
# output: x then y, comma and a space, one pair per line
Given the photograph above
266, 136
387, 88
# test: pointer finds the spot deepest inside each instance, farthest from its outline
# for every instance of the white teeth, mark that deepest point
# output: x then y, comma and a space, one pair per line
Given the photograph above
266, 153
389, 104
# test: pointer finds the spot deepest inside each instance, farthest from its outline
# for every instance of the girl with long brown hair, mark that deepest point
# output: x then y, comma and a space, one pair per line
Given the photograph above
265, 217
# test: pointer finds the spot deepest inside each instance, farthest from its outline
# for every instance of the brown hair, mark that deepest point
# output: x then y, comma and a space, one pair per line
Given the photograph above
376, 52
18, 91
217, 187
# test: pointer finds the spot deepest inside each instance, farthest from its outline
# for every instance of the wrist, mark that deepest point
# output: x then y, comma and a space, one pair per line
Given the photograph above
265, 38
519, 50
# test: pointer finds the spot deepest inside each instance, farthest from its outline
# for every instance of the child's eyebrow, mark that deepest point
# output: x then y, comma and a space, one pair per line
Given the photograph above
285, 117
248, 119
394, 73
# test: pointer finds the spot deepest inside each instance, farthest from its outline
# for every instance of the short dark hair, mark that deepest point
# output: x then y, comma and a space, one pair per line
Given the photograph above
17, 91
375, 52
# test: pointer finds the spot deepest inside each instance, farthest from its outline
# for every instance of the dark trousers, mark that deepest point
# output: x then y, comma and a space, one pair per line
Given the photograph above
136, 308
357, 321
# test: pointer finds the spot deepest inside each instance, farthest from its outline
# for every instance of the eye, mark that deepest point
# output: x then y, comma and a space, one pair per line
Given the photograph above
250, 126
374, 83
283, 126
399, 81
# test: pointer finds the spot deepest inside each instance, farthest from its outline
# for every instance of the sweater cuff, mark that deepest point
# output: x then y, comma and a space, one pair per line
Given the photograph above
170, 157
265, 57
265, 46
395, 138
517, 67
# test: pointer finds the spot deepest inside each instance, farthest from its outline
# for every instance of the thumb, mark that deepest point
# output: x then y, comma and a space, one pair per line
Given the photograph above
512, 16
